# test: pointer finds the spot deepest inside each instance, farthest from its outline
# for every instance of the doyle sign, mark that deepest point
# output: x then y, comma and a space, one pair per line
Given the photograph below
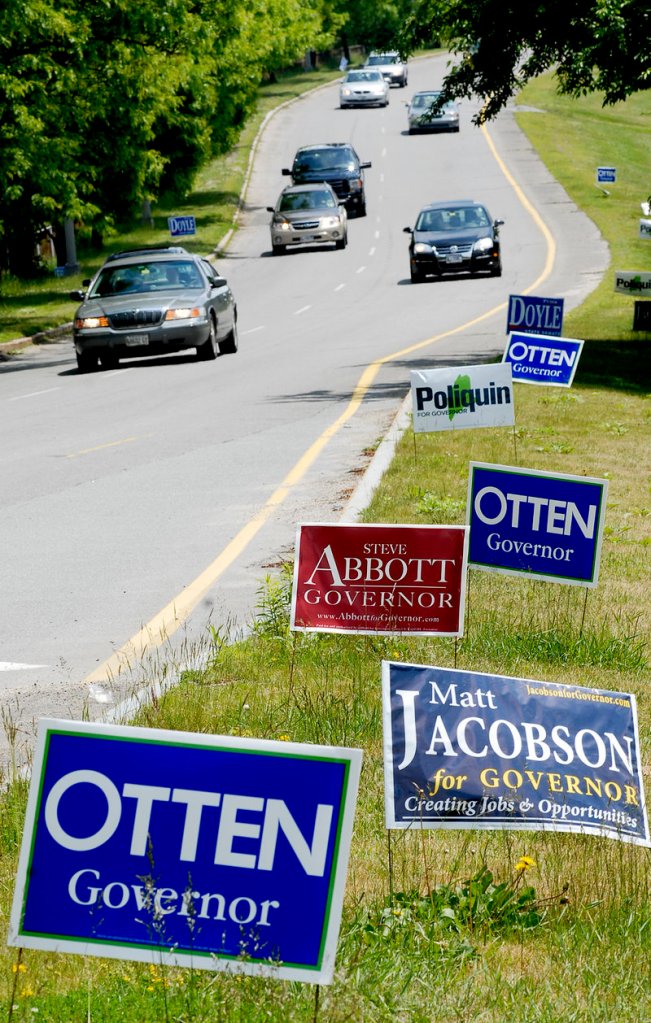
534, 314
191, 850
379, 579
181, 226
458, 398
469, 750
539, 359
544, 525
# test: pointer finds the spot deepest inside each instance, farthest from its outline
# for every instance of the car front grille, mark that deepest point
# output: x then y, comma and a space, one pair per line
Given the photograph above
464, 251
306, 225
127, 319
340, 187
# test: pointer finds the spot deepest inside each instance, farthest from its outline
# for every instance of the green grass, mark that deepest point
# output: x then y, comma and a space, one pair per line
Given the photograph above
454, 932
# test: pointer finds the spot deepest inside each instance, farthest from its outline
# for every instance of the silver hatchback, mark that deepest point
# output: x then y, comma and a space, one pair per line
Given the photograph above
364, 88
307, 214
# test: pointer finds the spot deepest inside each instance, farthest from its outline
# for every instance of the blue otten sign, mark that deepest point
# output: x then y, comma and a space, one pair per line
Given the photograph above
464, 749
606, 175
535, 315
180, 226
540, 359
526, 522
212, 852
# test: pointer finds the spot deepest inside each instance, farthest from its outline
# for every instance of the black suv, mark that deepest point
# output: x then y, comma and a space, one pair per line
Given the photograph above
339, 165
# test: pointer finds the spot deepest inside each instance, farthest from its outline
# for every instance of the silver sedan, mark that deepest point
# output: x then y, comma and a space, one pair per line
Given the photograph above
307, 214
364, 88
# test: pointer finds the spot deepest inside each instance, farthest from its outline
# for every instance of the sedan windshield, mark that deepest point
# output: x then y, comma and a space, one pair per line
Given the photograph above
364, 76
141, 277
306, 200
453, 219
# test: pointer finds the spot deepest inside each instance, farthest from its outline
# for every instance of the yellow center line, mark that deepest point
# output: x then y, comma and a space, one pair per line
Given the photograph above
103, 447
163, 625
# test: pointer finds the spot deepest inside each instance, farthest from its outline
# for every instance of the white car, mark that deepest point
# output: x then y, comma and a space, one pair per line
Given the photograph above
421, 115
364, 88
307, 214
390, 65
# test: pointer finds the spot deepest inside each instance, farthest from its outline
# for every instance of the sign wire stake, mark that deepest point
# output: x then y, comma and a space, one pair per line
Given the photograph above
515, 444
19, 959
390, 863
316, 1004
415, 457
585, 605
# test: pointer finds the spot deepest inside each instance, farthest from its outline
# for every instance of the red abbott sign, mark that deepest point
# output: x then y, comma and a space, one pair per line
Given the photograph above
380, 579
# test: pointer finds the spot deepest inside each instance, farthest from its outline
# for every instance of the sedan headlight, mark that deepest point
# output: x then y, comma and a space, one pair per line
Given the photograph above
183, 314
280, 224
422, 247
346, 92
91, 322
330, 221
483, 245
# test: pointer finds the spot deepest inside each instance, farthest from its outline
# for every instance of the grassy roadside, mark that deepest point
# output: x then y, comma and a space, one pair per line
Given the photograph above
583, 952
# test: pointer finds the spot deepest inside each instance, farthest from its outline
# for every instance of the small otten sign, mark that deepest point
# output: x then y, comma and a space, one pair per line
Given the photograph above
379, 579
540, 524
538, 359
210, 852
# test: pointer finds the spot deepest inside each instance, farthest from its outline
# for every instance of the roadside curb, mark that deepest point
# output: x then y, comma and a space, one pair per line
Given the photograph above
379, 463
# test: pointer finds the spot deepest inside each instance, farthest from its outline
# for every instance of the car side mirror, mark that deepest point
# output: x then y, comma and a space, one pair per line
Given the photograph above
219, 282
286, 171
270, 209
407, 230
497, 223
77, 296
366, 163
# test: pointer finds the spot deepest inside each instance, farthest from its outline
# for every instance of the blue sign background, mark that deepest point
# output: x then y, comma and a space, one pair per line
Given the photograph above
521, 548
180, 226
431, 781
297, 928
606, 175
535, 315
537, 359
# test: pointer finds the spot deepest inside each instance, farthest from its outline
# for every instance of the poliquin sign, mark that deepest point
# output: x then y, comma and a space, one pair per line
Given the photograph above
380, 579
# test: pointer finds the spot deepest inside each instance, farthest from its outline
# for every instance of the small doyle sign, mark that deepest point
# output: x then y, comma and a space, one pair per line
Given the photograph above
210, 852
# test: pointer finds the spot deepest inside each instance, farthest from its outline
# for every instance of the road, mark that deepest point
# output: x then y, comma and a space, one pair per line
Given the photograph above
141, 506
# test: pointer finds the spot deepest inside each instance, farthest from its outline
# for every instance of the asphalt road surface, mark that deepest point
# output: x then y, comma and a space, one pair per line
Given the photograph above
145, 505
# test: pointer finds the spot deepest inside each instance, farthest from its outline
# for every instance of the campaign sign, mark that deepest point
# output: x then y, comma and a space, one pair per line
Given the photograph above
606, 175
644, 228
535, 315
538, 359
380, 579
210, 852
462, 397
180, 226
464, 749
545, 525
633, 282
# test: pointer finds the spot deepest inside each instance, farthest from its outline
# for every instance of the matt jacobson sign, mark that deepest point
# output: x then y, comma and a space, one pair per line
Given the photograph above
209, 852
536, 359
380, 579
457, 398
534, 315
468, 750
545, 525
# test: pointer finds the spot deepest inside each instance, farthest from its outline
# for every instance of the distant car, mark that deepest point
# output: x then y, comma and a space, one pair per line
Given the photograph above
307, 214
336, 163
391, 65
364, 88
454, 237
421, 117
153, 301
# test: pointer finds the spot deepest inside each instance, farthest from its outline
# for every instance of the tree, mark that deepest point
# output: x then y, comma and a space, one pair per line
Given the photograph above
591, 45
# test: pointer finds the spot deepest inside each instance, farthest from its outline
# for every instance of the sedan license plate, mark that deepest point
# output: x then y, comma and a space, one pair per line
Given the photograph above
454, 258
136, 339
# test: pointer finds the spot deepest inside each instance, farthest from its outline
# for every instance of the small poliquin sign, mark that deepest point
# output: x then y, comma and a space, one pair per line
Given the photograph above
464, 749
174, 848
379, 579
462, 397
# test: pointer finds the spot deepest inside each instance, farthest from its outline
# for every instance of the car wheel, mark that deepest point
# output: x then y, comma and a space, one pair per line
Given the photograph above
230, 343
361, 209
496, 271
341, 242
109, 360
278, 250
417, 277
208, 350
87, 361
